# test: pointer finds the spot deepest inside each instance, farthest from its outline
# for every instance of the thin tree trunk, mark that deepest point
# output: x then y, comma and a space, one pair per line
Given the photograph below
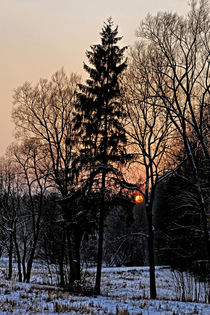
30, 263
100, 251
24, 259
18, 259
61, 260
32, 254
10, 256
101, 238
76, 237
153, 293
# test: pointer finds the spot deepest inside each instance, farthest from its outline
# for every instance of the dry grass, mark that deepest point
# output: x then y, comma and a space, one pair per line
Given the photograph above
124, 292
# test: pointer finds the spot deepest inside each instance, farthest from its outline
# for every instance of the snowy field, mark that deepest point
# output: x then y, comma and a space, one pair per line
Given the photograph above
124, 291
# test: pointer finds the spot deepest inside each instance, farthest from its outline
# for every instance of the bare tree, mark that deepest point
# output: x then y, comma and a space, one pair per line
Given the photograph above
178, 55
10, 195
30, 163
44, 112
149, 131
182, 45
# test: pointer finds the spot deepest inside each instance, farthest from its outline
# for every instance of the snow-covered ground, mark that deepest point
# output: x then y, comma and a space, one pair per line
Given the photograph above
124, 291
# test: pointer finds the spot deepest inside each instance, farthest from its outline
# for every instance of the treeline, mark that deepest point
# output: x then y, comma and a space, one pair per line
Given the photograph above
139, 124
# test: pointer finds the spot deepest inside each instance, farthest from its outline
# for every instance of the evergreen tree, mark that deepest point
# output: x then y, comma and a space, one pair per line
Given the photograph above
100, 116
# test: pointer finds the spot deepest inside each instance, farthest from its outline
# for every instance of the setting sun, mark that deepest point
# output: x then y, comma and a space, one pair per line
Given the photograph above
139, 198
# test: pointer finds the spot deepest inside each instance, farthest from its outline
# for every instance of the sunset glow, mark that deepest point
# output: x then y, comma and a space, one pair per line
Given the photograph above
139, 198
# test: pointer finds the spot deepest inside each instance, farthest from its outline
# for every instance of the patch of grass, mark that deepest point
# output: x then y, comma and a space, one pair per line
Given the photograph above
118, 272
121, 311
67, 307
32, 308
127, 278
49, 298
7, 291
23, 295
82, 288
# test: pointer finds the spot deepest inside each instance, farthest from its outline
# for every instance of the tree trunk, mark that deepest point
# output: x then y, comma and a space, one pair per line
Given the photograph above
10, 256
18, 259
61, 259
24, 259
76, 237
30, 261
153, 293
101, 238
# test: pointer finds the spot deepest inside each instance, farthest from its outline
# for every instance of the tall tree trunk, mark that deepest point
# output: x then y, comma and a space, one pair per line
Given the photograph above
18, 259
101, 238
29, 266
76, 237
61, 259
153, 293
24, 258
10, 256
30, 261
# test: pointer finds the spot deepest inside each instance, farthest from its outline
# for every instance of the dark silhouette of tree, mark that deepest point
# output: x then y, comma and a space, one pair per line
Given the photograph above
45, 113
149, 132
178, 57
178, 220
30, 162
10, 196
99, 118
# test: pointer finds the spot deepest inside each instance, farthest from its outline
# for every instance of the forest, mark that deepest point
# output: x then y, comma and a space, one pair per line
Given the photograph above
114, 170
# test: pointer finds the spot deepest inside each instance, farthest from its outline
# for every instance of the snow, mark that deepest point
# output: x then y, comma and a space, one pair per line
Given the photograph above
124, 291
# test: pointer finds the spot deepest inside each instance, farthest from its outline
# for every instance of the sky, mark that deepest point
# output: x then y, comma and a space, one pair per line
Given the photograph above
39, 37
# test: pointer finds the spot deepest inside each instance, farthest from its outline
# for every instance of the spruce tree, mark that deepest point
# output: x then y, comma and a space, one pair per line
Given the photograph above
100, 116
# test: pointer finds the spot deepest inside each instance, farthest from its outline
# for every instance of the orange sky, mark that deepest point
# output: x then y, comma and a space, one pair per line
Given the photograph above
38, 37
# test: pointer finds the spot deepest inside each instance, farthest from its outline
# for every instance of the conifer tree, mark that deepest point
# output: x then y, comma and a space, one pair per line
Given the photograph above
100, 116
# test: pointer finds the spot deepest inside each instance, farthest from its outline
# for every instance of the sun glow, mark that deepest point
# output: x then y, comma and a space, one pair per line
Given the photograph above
139, 198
